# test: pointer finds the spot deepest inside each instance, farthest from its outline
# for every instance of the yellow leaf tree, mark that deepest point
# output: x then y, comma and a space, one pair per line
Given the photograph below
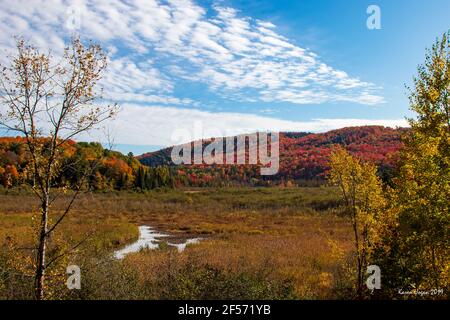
362, 194
49, 101
415, 252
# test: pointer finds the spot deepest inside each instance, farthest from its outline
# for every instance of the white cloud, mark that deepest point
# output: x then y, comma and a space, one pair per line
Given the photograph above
155, 125
228, 52
125, 76
146, 98
153, 44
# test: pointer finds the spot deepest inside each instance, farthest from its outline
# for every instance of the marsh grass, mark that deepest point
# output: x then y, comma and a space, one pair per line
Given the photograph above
274, 243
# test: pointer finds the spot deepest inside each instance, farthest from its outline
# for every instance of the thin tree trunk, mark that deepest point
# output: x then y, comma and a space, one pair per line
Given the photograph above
358, 258
40, 266
434, 266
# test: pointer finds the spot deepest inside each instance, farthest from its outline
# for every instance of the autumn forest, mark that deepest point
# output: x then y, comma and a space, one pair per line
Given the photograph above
354, 213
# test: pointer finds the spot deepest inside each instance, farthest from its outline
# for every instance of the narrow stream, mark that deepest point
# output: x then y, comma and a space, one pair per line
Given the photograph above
150, 239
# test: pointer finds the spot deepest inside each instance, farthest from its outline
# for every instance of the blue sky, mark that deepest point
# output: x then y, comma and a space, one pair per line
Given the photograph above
337, 31
236, 66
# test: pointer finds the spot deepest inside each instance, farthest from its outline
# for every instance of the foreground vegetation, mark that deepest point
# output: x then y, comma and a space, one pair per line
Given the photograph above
258, 243
403, 226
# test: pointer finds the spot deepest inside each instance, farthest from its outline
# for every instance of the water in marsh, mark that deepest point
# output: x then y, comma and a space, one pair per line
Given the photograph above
150, 239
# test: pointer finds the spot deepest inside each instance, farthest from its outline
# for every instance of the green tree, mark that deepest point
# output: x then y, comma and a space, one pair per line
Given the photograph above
415, 251
362, 194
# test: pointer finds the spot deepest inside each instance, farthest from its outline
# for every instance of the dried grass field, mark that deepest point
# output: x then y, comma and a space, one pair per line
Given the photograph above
274, 243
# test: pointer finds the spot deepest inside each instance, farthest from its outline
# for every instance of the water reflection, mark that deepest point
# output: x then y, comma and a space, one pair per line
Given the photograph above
150, 239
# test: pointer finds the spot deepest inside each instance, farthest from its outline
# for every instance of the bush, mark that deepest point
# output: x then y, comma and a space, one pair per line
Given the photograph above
205, 282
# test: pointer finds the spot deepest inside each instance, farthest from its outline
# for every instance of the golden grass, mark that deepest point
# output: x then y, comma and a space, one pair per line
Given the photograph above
294, 233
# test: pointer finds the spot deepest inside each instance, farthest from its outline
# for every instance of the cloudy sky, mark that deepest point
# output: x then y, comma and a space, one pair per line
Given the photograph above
232, 66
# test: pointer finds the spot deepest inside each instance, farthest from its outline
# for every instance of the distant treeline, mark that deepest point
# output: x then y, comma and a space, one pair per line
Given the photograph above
303, 161
304, 158
89, 164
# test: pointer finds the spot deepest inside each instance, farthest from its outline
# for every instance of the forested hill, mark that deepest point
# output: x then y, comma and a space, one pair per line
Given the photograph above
89, 163
302, 156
